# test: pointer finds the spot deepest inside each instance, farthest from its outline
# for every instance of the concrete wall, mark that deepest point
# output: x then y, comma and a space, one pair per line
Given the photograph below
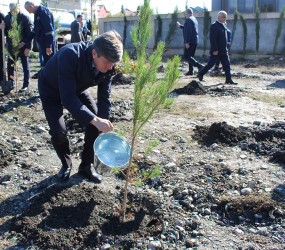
268, 27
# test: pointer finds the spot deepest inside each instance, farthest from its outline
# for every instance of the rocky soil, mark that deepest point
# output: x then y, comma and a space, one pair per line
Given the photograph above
221, 154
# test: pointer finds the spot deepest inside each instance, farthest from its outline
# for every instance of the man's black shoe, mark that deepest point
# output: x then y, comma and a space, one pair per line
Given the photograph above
231, 82
64, 173
90, 173
36, 75
200, 77
189, 73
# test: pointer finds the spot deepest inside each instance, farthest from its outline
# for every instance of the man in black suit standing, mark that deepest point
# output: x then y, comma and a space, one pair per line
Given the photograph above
190, 35
219, 48
76, 31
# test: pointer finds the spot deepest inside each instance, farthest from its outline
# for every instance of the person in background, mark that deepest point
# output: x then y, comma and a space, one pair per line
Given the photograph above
217, 65
85, 31
64, 83
44, 30
190, 35
76, 31
24, 52
219, 48
2, 26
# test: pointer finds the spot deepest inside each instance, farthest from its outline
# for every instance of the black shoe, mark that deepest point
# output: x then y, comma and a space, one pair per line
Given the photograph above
90, 173
189, 73
200, 77
231, 82
24, 89
36, 75
64, 173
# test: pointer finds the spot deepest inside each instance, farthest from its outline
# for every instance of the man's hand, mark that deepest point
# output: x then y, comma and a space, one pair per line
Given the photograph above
215, 53
187, 45
178, 24
102, 124
21, 45
48, 51
27, 52
2, 25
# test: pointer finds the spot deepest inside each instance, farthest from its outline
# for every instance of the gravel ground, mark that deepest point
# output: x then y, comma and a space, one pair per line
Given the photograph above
221, 156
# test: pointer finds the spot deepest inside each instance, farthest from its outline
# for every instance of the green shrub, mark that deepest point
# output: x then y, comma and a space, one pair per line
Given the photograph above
279, 30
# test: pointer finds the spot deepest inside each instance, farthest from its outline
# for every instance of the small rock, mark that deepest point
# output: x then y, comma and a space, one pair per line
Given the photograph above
268, 190
191, 243
243, 156
170, 165
105, 247
154, 245
262, 231
209, 167
245, 191
238, 231
257, 123
163, 139
207, 211
182, 140
214, 146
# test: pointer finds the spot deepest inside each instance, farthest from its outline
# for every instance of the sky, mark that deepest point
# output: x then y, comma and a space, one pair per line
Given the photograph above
162, 6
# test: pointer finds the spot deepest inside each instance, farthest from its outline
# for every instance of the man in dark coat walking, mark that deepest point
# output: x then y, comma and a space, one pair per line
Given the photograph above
63, 83
24, 52
76, 31
219, 48
190, 35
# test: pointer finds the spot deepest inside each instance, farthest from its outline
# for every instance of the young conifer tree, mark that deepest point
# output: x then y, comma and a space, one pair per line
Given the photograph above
149, 93
15, 34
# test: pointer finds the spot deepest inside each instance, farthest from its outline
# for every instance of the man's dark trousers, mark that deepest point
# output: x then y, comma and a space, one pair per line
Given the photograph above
212, 61
54, 114
189, 57
1, 64
43, 52
26, 69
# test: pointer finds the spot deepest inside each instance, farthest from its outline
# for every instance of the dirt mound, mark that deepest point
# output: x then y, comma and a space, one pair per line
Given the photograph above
226, 91
244, 208
219, 133
193, 88
74, 217
6, 154
121, 79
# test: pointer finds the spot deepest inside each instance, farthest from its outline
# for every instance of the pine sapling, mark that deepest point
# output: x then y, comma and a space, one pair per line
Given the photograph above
149, 93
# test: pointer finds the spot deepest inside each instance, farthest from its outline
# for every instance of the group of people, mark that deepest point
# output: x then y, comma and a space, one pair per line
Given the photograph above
220, 37
65, 78
43, 31
79, 31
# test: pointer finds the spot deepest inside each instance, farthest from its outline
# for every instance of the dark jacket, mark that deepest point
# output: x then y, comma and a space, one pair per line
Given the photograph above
68, 73
44, 28
85, 32
1, 19
218, 38
190, 30
76, 32
26, 27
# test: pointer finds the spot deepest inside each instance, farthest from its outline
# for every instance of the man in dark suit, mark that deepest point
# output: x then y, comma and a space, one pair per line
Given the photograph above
190, 35
44, 30
64, 83
219, 48
2, 26
24, 52
76, 31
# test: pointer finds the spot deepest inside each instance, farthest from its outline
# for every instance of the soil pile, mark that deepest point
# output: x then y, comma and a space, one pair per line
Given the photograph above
219, 133
193, 88
121, 79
